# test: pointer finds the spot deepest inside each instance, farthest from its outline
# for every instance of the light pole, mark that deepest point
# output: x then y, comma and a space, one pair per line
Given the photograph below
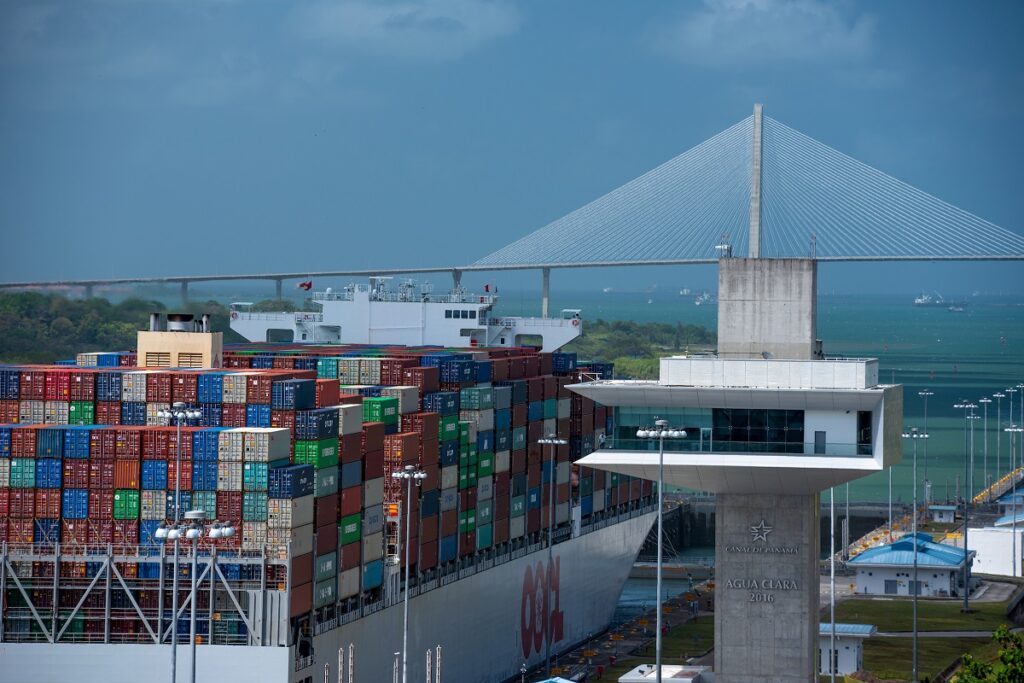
1020, 387
553, 441
984, 401
925, 393
915, 435
660, 432
1011, 391
410, 474
967, 493
179, 414
999, 396
1013, 430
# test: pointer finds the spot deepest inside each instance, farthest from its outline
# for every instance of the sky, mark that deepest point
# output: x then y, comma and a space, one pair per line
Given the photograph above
152, 137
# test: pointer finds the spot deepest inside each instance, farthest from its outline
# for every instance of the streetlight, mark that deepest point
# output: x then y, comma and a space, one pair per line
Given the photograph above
925, 393
1020, 387
660, 432
967, 495
179, 414
984, 401
554, 442
1013, 431
410, 474
915, 435
999, 396
1011, 391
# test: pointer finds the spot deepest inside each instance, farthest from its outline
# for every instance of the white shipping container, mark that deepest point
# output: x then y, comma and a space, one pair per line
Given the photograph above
517, 526
348, 370
56, 412
266, 444
350, 418
449, 477
369, 371
373, 519
349, 583
229, 476
153, 504
133, 386
153, 418
373, 547
288, 513
5, 473
564, 408
233, 388
563, 472
254, 535
485, 488
87, 360
31, 412
502, 461
449, 499
482, 420
231, 444
561, 513
373, 492
550, 426
408, 398
599, 500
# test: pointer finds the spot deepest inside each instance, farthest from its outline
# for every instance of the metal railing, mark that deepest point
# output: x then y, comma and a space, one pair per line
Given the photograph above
830, 449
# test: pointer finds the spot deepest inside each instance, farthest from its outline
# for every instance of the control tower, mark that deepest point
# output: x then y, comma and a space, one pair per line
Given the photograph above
770, 423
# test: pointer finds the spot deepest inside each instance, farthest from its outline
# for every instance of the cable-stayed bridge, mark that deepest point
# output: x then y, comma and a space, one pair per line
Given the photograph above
758, 189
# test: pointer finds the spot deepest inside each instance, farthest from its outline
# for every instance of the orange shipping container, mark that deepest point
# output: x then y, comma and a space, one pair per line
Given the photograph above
126, 474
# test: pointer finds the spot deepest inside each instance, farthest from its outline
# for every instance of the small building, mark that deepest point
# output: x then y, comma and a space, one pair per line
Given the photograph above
1010, 503
647, 673
994, 548
942, 514
888, 569
848, 656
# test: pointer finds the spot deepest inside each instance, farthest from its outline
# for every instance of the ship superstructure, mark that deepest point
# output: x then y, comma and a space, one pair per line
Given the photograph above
410, 315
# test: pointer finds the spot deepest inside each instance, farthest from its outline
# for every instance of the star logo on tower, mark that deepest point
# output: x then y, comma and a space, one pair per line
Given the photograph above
760, 531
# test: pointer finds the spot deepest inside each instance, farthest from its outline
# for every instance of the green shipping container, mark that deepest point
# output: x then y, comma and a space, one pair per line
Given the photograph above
586, 486
485, 466
464, 433
476, 398
319, 454
254, 476
254, 506
615, 479
126, 504
327, 368
448, 428
467, 521
350, 529
484, 536
23, 473
519, 438
550, 408
326, 566
463, 478
207, 502
326, 481
484, 512
81, 413
380, 409
518, 506
324, 593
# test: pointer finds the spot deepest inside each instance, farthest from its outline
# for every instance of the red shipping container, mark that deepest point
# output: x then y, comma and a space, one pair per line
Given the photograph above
467, 498
301, 600
22, 503
101, 530
258, 389
533, 477
302, 569
32, 385
74, 532
534, 389
550, 387
48, 502
3, 530
101, 475
20, 530
351, 500
373, 465
283, 419
635, 488
531, 366
184, 387
427, 379
5, 504
373, 436
499, 369
433, 479
351, 555
517, 462
102, 444
186, 474
402, 448
158, 387
58, 385
647, 488
8, 412
126, 474
23, 442
428, 555
501, 484
467, 544
349, 399
428, 529
326, 539
430, 452
108, 413
126, 532
232, 415
128, 443
501, 507
327, 393
325, 510
350, 448
500, 530
519, 414
532, 521
449, 523
83, 386
229, 505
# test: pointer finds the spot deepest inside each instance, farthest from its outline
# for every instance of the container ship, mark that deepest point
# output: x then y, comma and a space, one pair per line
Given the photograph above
409, 315
293, 446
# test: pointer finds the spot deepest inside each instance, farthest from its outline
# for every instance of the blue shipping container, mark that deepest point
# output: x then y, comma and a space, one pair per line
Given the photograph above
186, 503
373, 574
46, 531
75, 504
485, 442
5, 442
291, 481
154, 474
108, 386
535, 411
587, 505
205, 443
442, 402
257, 415
293, 394
316, 424
533, 498
76, 442
50, 443
10, 384
211, 414
204, 475
447, 548
483, 371
351, 474
449, 453
210, 388
48, 473
133, 413
147, 534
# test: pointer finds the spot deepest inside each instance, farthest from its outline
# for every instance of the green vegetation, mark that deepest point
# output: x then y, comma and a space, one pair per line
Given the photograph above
636, 347
42, 328
692, 638
894, 615
890, 658
1010, 666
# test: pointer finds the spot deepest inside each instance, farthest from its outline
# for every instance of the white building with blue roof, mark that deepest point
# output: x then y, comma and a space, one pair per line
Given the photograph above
888, 569
848, 656
943, 514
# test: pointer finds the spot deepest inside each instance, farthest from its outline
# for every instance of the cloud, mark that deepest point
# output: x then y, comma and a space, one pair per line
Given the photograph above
435, 30
731, 33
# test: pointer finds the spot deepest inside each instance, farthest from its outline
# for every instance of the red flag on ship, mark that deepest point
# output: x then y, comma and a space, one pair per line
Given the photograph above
307, 285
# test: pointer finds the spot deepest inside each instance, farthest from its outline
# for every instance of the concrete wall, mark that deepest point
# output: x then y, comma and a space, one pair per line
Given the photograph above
708, 371
840, 427
767, 588
767, 306
935, 582
995, 550
209, 345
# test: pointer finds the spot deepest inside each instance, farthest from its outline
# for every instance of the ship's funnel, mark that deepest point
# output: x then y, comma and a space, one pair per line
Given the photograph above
180, 322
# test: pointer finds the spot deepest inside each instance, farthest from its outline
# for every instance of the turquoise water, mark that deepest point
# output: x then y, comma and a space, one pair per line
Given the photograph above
956, 355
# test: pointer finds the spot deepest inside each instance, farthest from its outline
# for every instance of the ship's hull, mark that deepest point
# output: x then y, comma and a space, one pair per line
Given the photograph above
487, 626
